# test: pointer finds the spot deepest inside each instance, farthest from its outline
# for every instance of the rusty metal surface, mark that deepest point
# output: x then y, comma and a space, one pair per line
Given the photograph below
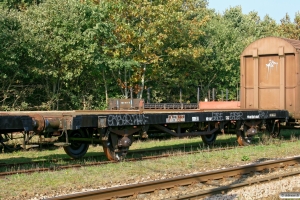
73, 113
129, 190
220, 105
74, 120
39, 122
125, 104
173, 106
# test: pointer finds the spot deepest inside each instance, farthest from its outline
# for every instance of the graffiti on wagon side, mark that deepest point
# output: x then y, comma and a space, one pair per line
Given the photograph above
127, 119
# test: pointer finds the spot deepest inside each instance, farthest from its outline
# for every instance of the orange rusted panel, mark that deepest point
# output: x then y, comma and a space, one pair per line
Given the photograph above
125, 104
270, 75
219, 105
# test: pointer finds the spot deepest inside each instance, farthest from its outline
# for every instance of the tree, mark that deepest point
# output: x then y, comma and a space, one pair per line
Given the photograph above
15, 76
159, 39
67, 40
227, 36
19, 5
290, 29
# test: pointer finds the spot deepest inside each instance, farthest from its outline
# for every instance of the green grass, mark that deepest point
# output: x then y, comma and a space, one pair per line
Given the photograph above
38, 154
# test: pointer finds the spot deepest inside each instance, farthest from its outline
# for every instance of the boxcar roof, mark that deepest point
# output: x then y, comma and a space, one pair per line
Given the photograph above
295, 43
271, 46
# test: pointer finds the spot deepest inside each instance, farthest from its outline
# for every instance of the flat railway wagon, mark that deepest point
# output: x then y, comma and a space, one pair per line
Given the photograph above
269, 93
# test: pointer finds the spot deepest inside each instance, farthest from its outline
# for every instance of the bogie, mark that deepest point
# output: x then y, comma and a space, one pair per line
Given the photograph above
76, 149
116, 146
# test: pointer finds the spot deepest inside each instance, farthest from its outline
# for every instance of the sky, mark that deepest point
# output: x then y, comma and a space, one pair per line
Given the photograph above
276, 9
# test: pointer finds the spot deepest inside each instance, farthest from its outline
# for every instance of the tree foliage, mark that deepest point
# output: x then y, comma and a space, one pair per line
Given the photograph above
161, 38
65, 39
14, 74
227, 36
19, 5
290, 29
76, 54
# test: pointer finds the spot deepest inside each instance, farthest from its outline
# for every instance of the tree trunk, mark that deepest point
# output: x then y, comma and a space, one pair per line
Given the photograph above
125, 83
140, 96
105, 87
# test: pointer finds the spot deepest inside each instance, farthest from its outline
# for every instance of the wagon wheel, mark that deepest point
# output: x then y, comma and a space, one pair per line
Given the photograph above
210, 138
4, 141
111, 149
3, 144
77, 149
273, 128
242, 139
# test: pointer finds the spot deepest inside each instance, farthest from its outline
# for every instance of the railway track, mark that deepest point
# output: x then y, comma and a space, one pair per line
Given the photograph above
239, 175
53, 165
40, 164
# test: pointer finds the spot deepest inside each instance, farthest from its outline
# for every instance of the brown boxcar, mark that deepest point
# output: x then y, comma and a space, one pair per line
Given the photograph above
270, 75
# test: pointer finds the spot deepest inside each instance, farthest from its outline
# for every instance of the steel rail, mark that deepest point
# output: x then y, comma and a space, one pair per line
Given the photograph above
134, 189
62, 167
41, 164
224, 189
